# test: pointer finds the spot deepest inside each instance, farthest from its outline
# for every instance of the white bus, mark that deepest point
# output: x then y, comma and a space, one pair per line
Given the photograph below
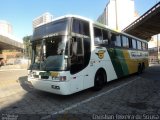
73, 53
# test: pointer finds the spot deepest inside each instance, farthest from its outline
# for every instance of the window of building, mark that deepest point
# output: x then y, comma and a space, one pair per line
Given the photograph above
125, 42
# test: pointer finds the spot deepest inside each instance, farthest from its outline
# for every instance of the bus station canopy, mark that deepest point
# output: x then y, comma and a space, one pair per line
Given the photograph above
7, 43
147, 25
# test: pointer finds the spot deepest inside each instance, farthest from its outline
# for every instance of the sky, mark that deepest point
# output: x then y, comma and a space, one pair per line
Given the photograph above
20, 13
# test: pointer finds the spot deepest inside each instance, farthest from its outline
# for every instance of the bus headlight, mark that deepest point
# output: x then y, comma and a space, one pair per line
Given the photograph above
62, 78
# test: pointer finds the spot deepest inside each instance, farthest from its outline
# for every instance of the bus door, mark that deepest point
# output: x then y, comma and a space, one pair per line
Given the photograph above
80, 68
76, 63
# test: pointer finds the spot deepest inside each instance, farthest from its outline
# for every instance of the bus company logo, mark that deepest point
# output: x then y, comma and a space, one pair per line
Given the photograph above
100, 54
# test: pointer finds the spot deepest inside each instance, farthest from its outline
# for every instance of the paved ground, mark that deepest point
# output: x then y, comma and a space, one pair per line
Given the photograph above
134, 97
9, 81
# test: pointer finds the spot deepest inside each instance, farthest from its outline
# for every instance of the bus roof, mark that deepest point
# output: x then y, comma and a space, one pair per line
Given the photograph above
123, 33
93, 22
68, 16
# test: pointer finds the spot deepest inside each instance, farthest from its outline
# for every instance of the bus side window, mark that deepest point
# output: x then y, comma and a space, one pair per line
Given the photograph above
76, 26
80, 56
134, 44
118, 41
77, 46
105, 37
97, 36
139, 45
143, 46
130, 42
84, 28
115, 40
146, 45
80, 27
125, 41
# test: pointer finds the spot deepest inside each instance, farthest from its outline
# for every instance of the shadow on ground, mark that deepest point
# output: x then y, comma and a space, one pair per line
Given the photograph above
35, 104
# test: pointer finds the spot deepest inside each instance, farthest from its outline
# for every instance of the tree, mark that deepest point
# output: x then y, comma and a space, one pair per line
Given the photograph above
27, 46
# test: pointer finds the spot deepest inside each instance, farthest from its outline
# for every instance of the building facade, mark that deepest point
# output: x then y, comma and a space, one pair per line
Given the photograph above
44, 18
154, 48
118, 14
5, 27
9, 43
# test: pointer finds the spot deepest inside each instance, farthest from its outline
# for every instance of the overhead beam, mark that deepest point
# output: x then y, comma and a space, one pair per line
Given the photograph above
9, 44
147, 25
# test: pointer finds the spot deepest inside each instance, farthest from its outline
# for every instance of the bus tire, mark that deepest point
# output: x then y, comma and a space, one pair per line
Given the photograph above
142, 68
99, 80
139, 69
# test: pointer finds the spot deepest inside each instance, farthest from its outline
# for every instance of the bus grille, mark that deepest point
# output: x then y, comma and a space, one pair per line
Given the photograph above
44, 77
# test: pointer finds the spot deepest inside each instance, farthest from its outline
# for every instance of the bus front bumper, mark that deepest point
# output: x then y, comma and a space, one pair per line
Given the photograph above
62, 88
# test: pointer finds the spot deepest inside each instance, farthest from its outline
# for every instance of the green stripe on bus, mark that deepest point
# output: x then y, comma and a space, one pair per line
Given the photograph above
123, 62
118, 61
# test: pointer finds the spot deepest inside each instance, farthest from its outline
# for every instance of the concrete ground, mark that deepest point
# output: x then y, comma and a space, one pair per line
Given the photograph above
133, 97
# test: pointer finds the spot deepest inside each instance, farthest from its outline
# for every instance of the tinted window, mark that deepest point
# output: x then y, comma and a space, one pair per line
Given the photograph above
146, 46
134, 44
98, 36
105, 36
79, 46
87, 53
143, 46
39, 32
52, 27
117, 41
139, 45
76, 26
125, 41
55, 27
80, 27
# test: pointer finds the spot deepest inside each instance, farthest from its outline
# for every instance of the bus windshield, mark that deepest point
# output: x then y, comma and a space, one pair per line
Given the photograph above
49, 54
55, 27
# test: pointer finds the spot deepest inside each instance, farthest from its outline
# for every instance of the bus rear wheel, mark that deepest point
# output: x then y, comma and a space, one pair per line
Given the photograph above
143, 68
100, 80
139, 69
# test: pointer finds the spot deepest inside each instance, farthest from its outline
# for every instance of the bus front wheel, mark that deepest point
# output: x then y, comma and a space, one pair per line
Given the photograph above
100, 80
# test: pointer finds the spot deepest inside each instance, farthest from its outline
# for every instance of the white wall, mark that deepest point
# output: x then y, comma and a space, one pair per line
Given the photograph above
125, 13
111, 14
153, 42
